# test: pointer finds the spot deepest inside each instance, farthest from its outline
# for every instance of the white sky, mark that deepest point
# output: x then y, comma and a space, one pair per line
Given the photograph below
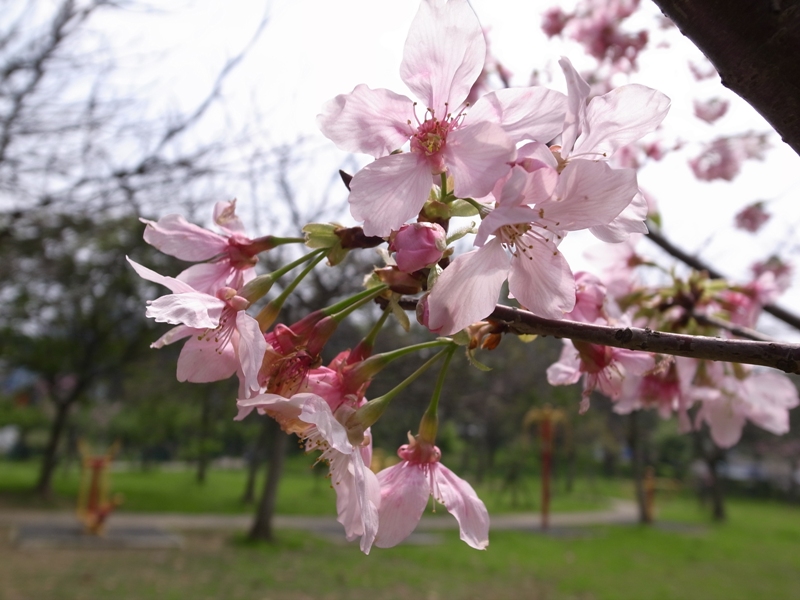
313, 50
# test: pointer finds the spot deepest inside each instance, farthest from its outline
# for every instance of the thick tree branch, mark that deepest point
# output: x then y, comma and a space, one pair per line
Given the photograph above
785, 357
754, 45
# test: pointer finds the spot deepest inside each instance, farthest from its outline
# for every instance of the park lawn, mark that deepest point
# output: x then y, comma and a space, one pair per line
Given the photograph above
755, 555
303, 491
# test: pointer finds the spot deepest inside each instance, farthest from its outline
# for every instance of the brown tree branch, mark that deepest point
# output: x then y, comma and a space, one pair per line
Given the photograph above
778, 355
754, 45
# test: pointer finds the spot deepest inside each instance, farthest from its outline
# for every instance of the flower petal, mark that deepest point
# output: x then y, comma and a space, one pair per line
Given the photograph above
175, 334
477, 155
251, 348
374, 122
390, 191
577, 94
201, 360
476, 276
541, 279
532, 113
208, 277
463, 503
193, 309
175, 286
589, 194
620, 117
405, 491
174, 235
630, 220
444, 53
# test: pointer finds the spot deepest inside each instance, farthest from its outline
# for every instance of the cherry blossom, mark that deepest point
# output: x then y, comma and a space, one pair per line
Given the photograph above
752, 217
533, 210
407, 486
228, 258
473, 147
311, 418
223, 338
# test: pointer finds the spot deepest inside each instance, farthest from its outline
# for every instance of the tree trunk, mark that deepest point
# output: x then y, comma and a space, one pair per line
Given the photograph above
258, 449
635, 440
262, 525
754, 48
716, 487
49, 460
203, 434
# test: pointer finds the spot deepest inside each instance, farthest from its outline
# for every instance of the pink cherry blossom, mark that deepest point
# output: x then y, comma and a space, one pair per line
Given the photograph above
763, 397
752, 217
598, 127
723, 158
357, 489
407, 486
223, 338
473, 147
781, 270
228, 258
710, 110
532, 212
602, 367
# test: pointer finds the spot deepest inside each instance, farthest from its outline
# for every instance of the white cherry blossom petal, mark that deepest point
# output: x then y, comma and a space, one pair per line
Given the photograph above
541, 279
174, 235
193, 309
477, 276
531, 113
463, 503
405, 490
373, 122
390, 191
477, 155
620, 117
443, 55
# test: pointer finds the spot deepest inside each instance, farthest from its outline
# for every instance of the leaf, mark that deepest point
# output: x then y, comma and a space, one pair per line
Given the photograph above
399, 313
527, 338
475, 362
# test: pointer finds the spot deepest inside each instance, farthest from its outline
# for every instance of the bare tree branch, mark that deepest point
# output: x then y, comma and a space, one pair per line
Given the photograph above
783, 356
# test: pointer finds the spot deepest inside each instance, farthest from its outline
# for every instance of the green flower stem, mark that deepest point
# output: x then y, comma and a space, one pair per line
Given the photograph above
266, 317
443, 191
429, 424
365, 346
357, 302
368, 293
261, 285
367, 369
367, 415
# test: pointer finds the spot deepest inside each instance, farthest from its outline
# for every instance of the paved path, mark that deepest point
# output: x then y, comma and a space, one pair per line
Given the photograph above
621, 511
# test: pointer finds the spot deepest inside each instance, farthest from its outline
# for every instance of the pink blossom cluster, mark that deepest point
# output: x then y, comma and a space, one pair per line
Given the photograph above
495, 156
723, 158
723, 395
597, 25
281, 376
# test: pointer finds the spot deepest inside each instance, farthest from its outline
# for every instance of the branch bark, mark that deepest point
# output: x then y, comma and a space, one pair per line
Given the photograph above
754, 47
782, 356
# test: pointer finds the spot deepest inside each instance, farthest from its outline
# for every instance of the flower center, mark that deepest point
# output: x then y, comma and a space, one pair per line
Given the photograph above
431, 136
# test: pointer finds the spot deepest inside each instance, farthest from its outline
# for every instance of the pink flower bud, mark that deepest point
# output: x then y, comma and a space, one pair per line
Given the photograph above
418, 245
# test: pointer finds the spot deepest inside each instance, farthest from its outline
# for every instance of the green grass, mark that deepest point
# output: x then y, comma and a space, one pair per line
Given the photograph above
303, 491
753, 556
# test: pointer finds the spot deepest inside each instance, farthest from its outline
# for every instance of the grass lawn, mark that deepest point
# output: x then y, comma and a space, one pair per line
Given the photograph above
756, 555
303, 491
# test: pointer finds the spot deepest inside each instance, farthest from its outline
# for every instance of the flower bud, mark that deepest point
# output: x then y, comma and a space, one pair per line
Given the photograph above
418, 245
